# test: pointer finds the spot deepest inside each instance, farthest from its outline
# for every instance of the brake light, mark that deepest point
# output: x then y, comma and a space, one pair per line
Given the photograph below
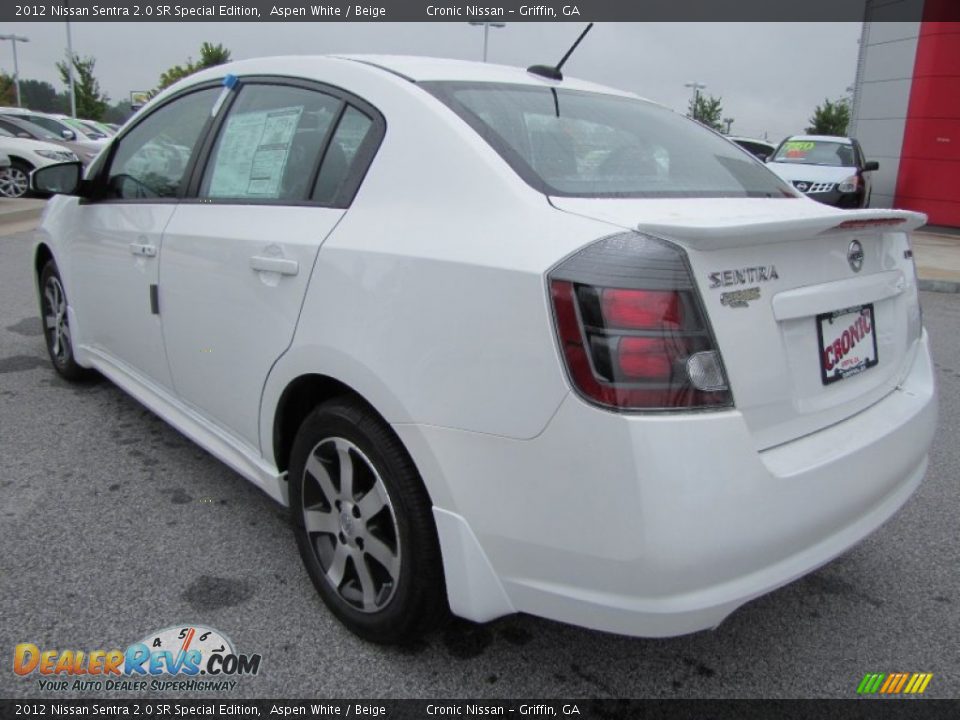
632, 329
869, 223
644, 358
641, 309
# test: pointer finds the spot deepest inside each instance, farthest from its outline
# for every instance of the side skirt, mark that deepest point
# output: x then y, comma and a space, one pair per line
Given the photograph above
232, 453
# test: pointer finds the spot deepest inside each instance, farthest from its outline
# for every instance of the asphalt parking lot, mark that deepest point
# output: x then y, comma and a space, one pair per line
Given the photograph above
115, 525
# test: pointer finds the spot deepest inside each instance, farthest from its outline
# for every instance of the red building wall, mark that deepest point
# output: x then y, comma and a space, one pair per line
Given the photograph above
929, 177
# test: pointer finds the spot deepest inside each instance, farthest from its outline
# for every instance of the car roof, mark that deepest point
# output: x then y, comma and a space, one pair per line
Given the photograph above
425, 69
823, 138
409, 67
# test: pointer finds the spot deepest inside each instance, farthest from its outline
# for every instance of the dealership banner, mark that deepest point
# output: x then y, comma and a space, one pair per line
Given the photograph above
481, 11
445, 709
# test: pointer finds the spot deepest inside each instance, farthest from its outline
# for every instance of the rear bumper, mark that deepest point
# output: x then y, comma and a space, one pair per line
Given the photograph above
658, 526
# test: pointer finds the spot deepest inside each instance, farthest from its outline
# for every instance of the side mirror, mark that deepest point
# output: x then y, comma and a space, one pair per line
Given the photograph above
871, 165
68, 135
62, 178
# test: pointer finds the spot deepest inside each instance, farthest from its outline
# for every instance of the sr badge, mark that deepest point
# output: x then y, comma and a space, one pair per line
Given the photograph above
740, 298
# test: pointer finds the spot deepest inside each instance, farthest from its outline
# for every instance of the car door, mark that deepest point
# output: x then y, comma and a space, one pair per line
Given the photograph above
117, 242
866, 177
237, 257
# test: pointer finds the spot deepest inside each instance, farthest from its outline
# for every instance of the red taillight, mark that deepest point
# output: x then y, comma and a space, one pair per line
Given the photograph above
632, 329
644, 358
641, 309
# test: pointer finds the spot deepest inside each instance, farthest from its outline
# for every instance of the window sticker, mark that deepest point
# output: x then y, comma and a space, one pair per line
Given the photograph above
798, 148
253, 153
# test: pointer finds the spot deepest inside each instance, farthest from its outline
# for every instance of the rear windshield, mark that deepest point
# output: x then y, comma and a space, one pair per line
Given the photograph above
815, 152
583, 144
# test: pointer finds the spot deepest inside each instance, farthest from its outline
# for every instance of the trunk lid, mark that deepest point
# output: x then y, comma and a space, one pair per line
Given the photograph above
768, 271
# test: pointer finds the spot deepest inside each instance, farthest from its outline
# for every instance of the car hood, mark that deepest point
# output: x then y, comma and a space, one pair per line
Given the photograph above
12, 146
811, 173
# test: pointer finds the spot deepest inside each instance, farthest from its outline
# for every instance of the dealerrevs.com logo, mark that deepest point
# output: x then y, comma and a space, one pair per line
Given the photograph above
178, 658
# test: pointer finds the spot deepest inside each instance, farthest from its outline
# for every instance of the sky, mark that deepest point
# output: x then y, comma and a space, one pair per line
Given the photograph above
770, 76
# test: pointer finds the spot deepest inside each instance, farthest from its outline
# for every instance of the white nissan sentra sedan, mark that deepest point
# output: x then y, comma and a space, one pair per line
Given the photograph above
502, 343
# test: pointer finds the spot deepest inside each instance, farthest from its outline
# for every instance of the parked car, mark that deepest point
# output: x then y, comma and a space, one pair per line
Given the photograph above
829, 169
85, 128
55, 124
25, 155
630, 394
25, 129
761, 149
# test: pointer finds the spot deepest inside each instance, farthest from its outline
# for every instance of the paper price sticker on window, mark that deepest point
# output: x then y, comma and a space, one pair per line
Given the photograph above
797, 148
253, 153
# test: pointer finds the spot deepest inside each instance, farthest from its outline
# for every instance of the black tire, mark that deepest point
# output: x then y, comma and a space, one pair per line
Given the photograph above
56, 326
397, 609
17, 182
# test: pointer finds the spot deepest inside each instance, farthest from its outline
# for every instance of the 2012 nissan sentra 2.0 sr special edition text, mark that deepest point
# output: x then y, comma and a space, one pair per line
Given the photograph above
502, 342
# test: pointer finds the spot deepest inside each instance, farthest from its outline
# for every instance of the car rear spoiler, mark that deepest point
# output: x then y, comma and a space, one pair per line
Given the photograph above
713, 234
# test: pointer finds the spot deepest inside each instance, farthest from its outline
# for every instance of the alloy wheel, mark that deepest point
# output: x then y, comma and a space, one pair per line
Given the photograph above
55, 321
351, 524
14, 182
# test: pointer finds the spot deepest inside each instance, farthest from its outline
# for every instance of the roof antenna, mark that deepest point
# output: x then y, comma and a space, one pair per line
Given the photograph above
553, 73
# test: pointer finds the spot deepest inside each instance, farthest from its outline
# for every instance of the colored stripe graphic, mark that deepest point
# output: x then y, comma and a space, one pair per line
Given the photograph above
894, 683
870, 683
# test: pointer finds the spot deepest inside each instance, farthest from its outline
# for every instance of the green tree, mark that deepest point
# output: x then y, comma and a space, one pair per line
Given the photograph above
118, 113
8, 93
708, 110
91, 100
831, 118
42, 96
210, 56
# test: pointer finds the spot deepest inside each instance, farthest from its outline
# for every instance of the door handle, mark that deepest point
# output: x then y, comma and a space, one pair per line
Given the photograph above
274, 264
143, 249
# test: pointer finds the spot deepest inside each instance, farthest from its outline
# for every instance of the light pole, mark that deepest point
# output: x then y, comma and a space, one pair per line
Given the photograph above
697, 87
73, 92
486, 33
14, 39
728, 122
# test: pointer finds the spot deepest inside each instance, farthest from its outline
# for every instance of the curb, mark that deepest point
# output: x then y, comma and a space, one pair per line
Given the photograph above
941, 286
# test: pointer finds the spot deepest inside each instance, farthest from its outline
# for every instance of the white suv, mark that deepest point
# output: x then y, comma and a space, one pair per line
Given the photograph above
502, 343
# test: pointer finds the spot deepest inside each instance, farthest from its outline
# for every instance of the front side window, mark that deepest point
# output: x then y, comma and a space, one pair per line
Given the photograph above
151, 160
815, 152
584, 144
269, 144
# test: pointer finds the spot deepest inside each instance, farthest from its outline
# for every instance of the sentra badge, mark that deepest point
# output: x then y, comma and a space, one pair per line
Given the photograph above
743, 276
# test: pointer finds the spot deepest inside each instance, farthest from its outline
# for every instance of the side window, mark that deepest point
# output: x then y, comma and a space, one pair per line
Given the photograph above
150, 160
269, 144
353, 129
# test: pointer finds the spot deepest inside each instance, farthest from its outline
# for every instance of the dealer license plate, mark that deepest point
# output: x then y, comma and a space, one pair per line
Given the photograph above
848, 342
